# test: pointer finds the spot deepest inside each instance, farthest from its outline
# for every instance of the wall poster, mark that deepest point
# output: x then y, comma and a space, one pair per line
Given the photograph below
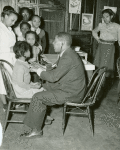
75, 6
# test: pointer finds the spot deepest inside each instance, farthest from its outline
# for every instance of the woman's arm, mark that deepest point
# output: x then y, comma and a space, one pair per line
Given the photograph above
95, 33
118, 33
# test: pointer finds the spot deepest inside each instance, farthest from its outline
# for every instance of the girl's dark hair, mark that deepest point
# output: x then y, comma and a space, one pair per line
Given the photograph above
8, 8
26, 23
20, 48
30, 11
110, 12
8, 12
36, 37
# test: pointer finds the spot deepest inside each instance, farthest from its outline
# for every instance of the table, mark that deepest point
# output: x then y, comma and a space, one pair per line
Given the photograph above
88, 66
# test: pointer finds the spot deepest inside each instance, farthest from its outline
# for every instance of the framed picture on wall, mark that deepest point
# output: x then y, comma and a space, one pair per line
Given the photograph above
87, 22
75, 6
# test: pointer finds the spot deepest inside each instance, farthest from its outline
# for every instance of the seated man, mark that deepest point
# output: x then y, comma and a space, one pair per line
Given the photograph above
64, 83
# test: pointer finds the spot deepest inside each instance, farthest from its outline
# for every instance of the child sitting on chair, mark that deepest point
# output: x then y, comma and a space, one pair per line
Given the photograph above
21, 78
32, 38
24, 27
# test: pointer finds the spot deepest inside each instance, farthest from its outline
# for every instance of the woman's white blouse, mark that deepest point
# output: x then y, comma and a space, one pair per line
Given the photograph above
7, 38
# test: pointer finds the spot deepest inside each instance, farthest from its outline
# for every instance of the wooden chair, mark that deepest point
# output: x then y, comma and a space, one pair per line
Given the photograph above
11, 97
84, 108
118, 70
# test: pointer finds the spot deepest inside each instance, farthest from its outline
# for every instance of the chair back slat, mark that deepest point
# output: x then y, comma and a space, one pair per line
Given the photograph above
94, 86
7, 79
118, 66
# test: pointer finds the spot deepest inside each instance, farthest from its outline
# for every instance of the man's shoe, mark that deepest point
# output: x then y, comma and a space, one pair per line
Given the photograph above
32, 135
50, 118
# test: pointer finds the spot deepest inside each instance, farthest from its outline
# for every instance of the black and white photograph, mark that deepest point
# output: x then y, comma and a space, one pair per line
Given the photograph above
59, 74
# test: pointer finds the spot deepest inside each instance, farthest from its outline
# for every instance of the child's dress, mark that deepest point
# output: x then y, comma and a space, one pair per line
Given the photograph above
21, 80
106, 49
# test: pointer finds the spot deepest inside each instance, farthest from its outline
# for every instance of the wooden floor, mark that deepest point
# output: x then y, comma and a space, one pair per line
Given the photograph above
77, 135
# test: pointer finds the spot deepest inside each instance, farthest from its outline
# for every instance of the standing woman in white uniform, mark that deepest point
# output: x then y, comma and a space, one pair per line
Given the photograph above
7, 41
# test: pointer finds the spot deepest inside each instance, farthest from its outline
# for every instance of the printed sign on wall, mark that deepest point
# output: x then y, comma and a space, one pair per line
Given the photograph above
75, 6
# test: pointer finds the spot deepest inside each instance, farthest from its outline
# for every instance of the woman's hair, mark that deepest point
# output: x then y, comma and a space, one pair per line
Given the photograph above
36, 37
8, 8
8, 12
110, 12
26, 23
20, 48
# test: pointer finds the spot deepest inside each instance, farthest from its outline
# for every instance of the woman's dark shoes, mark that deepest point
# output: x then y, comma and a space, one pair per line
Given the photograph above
32, 134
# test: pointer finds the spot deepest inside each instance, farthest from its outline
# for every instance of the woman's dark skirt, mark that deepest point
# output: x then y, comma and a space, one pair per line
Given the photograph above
105, 57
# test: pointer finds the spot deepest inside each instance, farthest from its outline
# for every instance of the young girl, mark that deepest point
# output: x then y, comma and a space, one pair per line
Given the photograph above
24, 27
35, 26
109, 33
32, 38
21, 78
7, 41
24, 16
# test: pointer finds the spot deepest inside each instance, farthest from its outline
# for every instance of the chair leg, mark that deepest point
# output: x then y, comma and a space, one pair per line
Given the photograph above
90, 120
64, 118
7, 115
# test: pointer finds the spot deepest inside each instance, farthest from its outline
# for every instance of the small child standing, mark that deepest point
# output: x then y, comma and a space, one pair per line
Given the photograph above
35, 26
24, 27
32, 38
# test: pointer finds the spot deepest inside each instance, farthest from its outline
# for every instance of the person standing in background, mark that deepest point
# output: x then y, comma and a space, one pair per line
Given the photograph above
7, 41
109, 33
35, 26
25, 15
